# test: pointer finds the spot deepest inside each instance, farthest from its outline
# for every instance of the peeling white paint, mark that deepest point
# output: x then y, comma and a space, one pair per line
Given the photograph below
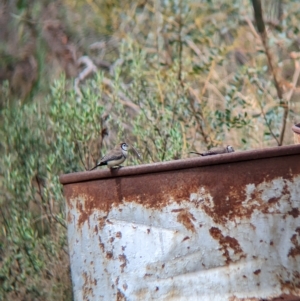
147, 254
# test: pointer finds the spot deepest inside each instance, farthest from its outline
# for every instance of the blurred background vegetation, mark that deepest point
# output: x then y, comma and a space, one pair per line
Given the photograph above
166, 76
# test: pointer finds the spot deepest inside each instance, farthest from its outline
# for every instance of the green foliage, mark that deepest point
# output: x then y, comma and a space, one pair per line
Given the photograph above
40, 144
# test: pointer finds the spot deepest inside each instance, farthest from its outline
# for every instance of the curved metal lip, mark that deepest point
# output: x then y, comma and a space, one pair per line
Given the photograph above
180, 164
296, 128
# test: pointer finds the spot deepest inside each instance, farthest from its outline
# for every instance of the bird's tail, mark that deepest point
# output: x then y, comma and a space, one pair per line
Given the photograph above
201, 154
94, 167
99, 164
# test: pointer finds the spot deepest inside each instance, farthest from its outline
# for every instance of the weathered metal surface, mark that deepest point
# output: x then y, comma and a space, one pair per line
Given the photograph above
215, 228
296, 130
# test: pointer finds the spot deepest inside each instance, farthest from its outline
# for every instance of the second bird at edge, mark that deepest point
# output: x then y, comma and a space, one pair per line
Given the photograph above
216, 151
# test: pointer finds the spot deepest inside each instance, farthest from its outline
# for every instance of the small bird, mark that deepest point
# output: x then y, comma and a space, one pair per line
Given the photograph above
216, 151
115, 157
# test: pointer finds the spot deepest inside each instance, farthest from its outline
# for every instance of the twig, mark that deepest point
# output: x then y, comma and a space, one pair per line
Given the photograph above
98, 45
136, 152
272, 69
212, 66
49, 205
264, 38
113, 67
289, 96
180, 44
252, 29
90, 68
202, 132
123, 98
263, 113
43, 199
295, 79
267, 123
80, 156
193, 46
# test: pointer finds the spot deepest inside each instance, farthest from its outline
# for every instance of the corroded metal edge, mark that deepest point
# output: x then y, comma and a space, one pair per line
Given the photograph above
181, 164
296, 128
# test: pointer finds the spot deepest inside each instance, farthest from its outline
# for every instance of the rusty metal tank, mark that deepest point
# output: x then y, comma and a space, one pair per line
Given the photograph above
296, 130
225, 227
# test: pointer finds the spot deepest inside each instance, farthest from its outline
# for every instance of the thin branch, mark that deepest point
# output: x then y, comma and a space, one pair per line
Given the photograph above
123, 98
90, 68
49, 205
180, 44
212, 66
195, 113
252, 28
263, 113
264, 38
272, 69
193, 46
295, 78
289, 96
43, 199
267, 122
80, 156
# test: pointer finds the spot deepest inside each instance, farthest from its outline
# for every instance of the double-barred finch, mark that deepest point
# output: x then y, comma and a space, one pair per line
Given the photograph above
115, 157
216, 151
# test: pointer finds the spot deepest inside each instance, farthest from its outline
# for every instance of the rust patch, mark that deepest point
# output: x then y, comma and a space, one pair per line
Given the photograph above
70, 217
87, 287
294, 212
186, 218
111, 239
225, 184
83, 216
226, 242
234, 298
283, 297
118, 234
122, 258
186, 238
96, 229
101, 244
120, 296
125, 286
295, 251
257, 272
148, 231
228, 200
274, 200
292, 285
178, 210
101, 221
109, 255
